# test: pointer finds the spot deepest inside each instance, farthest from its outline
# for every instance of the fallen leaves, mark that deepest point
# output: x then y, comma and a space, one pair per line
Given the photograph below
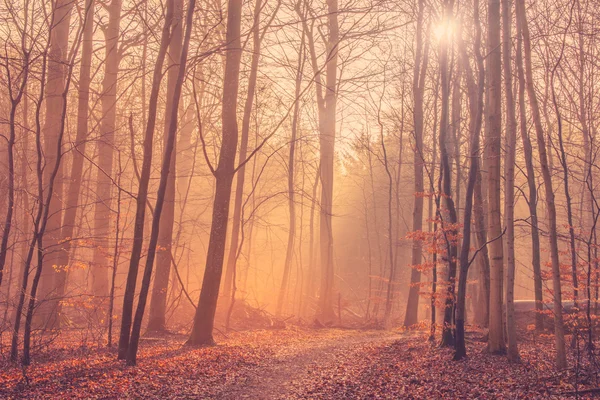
293, 363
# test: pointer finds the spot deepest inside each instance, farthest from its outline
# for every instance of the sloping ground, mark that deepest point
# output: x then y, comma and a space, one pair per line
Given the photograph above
292, 363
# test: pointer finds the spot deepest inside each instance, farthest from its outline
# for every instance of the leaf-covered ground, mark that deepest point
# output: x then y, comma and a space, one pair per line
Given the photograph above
293, 363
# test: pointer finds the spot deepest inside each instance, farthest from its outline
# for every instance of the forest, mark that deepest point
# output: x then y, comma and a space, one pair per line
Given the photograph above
299, 199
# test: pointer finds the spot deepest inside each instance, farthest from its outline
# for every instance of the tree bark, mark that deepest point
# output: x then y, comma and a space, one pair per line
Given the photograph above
419, 75
449, 231
509, 183
138, 227
241, 174
162, 188
202, 330
53, 279
291, 191
559, 334
475, 91
327, 132
158, 304
46, 188
494, 131
102, 213
81, 137
532, 187
15, 100
565, 169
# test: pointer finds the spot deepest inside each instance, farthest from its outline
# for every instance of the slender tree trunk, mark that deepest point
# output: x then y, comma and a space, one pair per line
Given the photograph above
565, 169
241, 174
494, 138
559, 334
390, 231
162, 188
449, 232
15, 100
583, 117
25, 222
102, 214
291, 191
533, 198
369, 253
434, 194
312, 258
455, 120
138, 227
202, 330
81, 137
45, 188
475, 91
509, 183
158, 304
479, 212
30, 248
327, 131
53, 279
377, 231
419, 75
117, 246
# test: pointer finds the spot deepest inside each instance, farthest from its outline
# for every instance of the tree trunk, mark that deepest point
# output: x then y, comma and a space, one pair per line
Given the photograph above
291, 191
162, 188
326, 104
565, 169
449, 232
202, 330
158, 304
475, 91
312, 258
533, 198
419, 75
390, 232
509, 183
434, 199
53, 279
559, 334
138, 226
494, 154
81, 137
102, 214
241, 174
45, 188
15, 100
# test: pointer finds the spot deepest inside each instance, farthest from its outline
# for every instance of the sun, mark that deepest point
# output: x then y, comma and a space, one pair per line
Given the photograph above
443, 30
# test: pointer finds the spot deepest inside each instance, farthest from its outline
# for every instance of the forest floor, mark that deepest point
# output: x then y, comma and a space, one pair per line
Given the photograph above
294, 363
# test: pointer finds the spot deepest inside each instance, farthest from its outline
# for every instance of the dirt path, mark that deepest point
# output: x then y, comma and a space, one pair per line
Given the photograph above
281, 377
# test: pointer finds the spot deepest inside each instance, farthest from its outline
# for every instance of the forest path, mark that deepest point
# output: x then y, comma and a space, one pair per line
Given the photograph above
282, 376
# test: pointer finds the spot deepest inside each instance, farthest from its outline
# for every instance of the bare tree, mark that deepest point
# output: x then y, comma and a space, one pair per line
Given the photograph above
202, 331
533, 196
142, 196
158, 304
559, 334
53, 279
291, 190
17, 76
449, 227
326, 104
493, 148
475, 91
419, 75
509, 183
81, 137
162, 189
